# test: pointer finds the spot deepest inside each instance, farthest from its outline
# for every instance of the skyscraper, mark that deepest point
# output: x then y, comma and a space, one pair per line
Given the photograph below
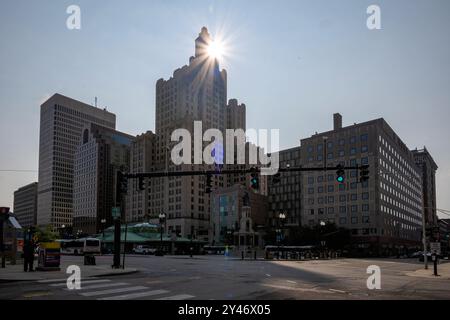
25, 204
61, 123
100, 154
195, 92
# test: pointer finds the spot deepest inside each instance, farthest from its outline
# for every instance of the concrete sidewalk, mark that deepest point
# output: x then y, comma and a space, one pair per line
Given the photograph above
15, 272
442, 268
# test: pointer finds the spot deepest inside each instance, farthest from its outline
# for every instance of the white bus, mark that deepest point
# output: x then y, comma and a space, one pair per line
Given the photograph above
80, 246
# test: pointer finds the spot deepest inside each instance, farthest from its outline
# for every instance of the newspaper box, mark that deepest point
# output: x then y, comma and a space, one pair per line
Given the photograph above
49, 256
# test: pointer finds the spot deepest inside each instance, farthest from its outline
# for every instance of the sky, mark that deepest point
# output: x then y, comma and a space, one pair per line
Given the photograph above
293, 63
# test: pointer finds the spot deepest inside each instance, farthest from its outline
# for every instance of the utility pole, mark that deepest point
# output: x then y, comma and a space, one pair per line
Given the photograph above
424, 239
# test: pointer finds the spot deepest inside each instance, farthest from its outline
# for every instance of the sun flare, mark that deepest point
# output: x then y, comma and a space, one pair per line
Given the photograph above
216, 50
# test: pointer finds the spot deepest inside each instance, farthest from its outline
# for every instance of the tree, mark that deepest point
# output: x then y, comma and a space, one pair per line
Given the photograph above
46, 235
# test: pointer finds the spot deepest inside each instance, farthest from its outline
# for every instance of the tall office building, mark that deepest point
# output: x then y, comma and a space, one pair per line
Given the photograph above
25, 204
61, 123
196, 92
141, 204
427, 167
100, 154
384, 212
285, 196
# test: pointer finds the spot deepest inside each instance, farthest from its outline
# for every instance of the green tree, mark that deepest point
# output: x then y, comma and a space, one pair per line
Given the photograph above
46, 235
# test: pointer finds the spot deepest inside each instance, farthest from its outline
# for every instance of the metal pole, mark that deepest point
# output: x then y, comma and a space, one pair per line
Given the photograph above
2, 247
125, 244
424, 239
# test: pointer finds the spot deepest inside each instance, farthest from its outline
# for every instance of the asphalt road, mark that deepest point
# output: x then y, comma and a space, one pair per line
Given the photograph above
222, 278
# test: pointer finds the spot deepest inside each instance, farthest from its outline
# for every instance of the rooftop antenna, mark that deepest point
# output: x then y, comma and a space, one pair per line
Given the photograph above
95, 104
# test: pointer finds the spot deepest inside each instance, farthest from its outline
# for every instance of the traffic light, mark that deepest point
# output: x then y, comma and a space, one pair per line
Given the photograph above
4, 213
141, 184
276, 178
340, 174
208, 183
363, 173
121, 185
254, 180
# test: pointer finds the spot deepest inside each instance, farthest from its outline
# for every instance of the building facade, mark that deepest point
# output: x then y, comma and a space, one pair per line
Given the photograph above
25, 204
100, 154
61, 123
384, 213
285, 196
427, 168
230, 206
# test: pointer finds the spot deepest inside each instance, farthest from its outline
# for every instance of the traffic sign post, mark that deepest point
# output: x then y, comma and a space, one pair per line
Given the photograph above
4, 215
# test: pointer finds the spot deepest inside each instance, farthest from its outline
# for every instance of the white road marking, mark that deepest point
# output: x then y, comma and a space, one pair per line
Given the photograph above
268, 275
111, 291
290, 281
82, 282
104, 285
335, 290
51, 280
135, 295
178, 297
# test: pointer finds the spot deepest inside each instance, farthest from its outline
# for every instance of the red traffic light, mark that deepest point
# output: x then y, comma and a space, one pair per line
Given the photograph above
4, 210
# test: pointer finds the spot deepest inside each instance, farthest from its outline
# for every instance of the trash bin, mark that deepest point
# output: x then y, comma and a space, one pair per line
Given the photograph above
89, 260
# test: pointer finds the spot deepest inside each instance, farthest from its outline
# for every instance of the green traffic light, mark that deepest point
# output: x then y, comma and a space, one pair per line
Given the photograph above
340, 179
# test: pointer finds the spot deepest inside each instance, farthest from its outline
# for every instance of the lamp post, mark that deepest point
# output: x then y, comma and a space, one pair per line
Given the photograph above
162, 218
62, 231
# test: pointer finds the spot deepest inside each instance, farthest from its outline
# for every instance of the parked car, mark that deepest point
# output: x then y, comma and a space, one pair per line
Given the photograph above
141, 249
429, 256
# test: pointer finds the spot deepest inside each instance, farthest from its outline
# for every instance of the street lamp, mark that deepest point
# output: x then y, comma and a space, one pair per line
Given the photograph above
62, 230
281, 218
103, 221
162, 217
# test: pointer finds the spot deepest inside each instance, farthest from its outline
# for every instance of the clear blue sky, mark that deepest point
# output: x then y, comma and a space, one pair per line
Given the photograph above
293, 63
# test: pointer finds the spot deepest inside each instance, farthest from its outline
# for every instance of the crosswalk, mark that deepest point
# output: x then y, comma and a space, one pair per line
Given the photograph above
106, 289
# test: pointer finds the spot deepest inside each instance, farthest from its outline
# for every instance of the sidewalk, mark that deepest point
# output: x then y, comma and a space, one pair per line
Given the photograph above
15, 272
443, 272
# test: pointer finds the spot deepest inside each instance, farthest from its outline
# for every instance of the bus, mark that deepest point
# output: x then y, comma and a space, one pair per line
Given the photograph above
80, 246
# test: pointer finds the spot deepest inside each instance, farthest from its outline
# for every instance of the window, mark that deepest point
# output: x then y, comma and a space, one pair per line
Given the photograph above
342, 198
330, 155
342, 220
319, 147
310, 149
310, 180
319, 157
341, 153
365, 196
354, 220
353, 173
353, 197
364, 148
341, 142
365, 160
320, 179
353, 151
330, 145
365, 184
330, 199
320, 189
312, 211
354, 208
330, 210
365, 219
330, 177
364, 137
353, 185
311, 201
320, 200
321, 211
353, 162
330, 188
310, 190
342, 209
352, 139
365, 207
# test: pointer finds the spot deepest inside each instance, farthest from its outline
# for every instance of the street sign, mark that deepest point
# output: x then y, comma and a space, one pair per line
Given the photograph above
116, 212
435, 247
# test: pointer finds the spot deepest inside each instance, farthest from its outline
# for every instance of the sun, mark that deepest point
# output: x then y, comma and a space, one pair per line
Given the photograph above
216, 50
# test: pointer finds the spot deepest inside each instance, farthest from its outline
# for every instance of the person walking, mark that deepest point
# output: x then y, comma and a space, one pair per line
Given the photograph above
28, 255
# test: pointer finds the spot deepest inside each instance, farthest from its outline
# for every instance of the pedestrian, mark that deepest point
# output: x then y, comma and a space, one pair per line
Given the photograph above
28, 255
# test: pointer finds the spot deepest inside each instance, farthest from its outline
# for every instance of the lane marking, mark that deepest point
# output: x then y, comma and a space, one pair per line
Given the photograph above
336, 290
82, 282
104, 285
290, 281
178, 297
135, 295
111, 291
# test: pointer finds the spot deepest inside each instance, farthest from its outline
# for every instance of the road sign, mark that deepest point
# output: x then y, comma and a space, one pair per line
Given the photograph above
116, 212
435, 247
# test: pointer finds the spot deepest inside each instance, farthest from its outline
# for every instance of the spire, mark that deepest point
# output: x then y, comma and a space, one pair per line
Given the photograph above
204, 38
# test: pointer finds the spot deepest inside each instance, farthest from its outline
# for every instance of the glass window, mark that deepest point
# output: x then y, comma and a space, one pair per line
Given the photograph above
354, 208
320, 189
331, 188
353, 162
319, 147
319, 157
330, 177
365, 196
366, 219
342, 198
354, 220
365, 160
321, 210
341, 142
320, 179
311, 201
320, 200
364, 148
330, 199
341, 153
354, 197
330, 155
342, 209
310, 149
352, 139
353, 151
330, 210
364, 137
354, 173
365, 207
310, 190
342, 220
310, 180
353, 185
311, 211
365, 184
330, 144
